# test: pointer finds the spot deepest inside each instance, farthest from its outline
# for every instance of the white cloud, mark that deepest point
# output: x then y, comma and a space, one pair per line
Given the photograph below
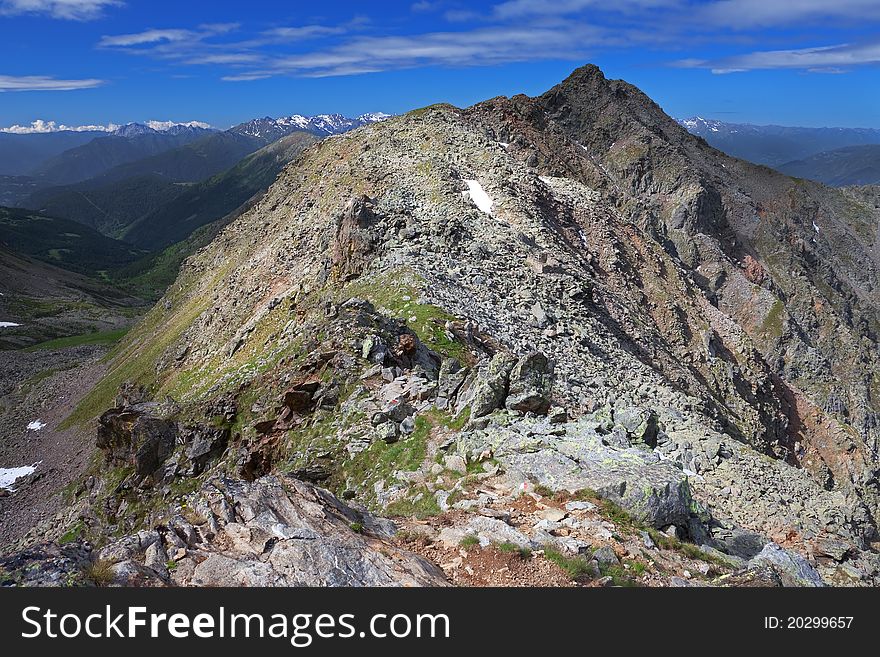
302, 33
79, 10
528, 8
820, 59
478, 47
776, 13
246, 77
153, 37
41, 126
145, 37
44, 83
226, 58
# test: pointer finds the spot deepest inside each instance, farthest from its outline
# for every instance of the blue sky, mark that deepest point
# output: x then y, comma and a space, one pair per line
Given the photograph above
791, 62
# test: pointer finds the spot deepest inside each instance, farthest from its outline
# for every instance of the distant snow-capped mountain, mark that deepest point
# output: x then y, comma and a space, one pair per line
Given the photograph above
41, 126
699, 126
270, 129
775, 145
160, 127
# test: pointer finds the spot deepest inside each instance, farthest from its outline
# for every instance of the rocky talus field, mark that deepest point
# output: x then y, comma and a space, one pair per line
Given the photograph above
538, 341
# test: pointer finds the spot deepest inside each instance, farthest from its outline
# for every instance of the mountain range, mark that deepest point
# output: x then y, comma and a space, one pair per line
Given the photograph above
776, 145
156, 201
853, 165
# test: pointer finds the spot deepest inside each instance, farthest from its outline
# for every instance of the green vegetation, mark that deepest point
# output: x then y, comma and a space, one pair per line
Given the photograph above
773, 322
690, 550
381, 460
508, 548
544, 491
99, 572
135, 358
110, 208
469, 541
72, 534
62, 242
421, 505
396, 293
356, 527
620, 576
149, 276
106, 337
575, 567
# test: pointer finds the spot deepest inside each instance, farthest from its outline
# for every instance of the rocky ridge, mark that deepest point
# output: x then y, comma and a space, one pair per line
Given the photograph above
564, 299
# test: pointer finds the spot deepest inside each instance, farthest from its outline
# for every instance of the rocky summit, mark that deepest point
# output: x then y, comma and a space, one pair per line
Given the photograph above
538, 341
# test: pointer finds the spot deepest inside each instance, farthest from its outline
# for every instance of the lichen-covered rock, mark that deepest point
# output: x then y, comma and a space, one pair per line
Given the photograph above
529, 389
491, 385
792, 568
47, 564
574, 457
274, 531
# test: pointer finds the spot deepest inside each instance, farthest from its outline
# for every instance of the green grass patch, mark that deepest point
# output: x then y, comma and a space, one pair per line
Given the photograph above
469, 541
396, 293
97, 338
619, 575
690, 550
544, 491
511, 548
575, 567
72, 534
773, 322
419, 506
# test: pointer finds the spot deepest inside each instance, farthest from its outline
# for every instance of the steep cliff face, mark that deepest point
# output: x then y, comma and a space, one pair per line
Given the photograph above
567, 292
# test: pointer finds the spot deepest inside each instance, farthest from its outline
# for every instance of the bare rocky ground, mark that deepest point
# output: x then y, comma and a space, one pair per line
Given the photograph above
44, 387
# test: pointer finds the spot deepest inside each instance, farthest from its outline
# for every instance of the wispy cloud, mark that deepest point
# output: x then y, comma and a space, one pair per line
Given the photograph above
530, 8
821, 59
156, 37
510, 31
78, 10
44, 83
145, 37
300, 33
479, 47
741, 14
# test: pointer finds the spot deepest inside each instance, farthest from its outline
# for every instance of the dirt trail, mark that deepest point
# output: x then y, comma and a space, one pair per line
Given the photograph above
44, 387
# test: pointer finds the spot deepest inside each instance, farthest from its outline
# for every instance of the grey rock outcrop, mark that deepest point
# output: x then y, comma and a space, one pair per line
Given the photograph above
574, 457
274, 531
529, 388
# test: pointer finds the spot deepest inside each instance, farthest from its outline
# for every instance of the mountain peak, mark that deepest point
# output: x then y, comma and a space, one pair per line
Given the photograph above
323, 125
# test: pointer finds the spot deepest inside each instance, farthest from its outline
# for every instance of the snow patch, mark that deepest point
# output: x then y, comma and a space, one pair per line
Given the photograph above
36, 425
479, 196
8, 476
8, 324
816, 228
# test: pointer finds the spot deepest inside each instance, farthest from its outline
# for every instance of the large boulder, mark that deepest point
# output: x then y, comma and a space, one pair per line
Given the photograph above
792, 568
491, 385
529, 388
642, 425
574, 457
136, 436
